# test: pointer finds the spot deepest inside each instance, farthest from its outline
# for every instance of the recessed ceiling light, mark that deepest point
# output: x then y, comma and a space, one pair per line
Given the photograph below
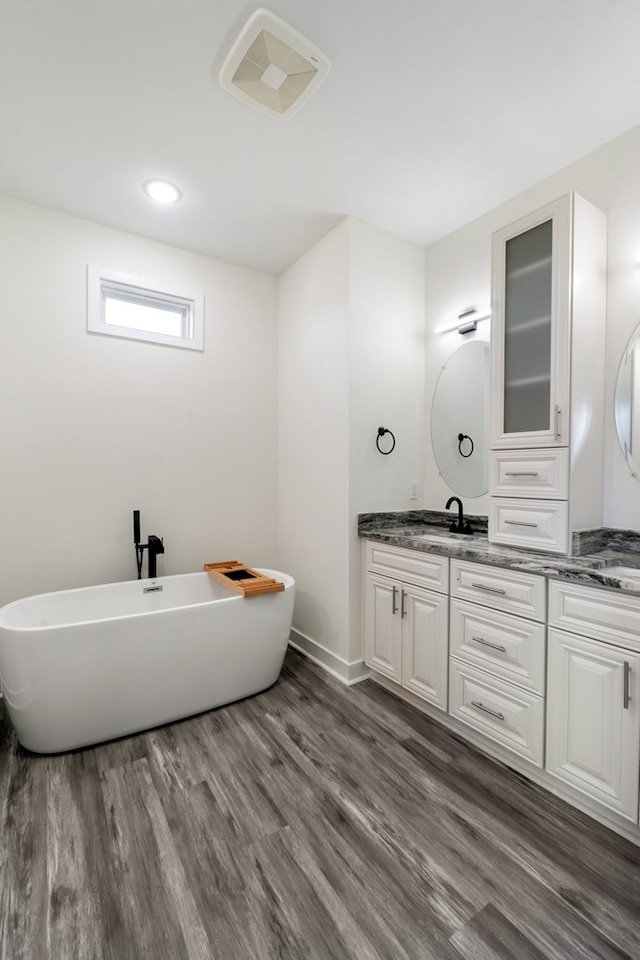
162, 191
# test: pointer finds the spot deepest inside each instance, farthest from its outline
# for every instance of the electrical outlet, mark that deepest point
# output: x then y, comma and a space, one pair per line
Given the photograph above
415, 490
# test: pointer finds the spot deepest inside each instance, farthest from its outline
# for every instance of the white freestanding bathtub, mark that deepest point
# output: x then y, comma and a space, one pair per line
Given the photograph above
82, 666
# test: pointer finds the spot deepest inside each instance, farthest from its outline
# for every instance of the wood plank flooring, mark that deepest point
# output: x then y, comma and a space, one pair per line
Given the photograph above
312, 821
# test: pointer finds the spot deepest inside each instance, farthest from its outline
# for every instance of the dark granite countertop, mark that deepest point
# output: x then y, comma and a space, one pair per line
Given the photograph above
617, 548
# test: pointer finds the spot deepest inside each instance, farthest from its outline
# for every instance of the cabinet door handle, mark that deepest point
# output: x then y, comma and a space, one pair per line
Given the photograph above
627, 678
403, 612
481, 706
487, 643
394, 609
521, 473
557, 413
482, 586
521, 523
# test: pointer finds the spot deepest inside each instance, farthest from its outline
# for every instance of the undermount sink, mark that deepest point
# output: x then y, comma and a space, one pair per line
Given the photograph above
434, 538
625, 573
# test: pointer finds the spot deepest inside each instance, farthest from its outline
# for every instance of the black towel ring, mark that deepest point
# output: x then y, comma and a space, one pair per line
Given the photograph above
381, 433
461, 437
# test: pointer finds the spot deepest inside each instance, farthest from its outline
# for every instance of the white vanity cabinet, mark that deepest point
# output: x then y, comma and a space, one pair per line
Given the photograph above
497, 649
543, 674
406, 619
547, 375
593, 711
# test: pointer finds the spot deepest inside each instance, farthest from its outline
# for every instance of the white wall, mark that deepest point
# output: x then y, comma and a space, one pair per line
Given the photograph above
313, 419
351, 327
386, 378
93, 427
386, 368
458, 275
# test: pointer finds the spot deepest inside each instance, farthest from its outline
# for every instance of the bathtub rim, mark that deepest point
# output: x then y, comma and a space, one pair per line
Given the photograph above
286, 578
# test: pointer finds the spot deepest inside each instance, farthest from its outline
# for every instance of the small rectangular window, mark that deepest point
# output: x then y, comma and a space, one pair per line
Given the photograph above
120, 305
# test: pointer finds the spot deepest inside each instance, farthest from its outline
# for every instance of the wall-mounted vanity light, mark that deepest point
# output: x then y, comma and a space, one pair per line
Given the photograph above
467, 321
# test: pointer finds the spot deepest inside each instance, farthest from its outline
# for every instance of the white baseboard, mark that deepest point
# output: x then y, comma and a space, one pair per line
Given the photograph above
347, 673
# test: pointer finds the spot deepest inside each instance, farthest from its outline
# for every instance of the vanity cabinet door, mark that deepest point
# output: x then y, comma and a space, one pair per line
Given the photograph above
383, 626
530, 329
425, 644
593, 720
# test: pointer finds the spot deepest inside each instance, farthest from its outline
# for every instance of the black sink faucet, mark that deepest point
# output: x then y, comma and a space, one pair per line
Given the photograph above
459, 525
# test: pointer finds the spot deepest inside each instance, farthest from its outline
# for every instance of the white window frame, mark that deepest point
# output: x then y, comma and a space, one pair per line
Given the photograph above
124, 286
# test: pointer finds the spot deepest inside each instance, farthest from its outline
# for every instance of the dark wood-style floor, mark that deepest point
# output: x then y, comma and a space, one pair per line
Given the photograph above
311, 821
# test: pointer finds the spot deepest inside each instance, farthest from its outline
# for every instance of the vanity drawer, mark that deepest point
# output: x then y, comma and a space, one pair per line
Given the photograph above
511, 717
423, 569
601, 614
511, 590
536, 524
530, 473
505, 646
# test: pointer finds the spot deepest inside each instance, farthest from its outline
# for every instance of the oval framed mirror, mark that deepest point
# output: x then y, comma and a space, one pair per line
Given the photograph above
626, 404
460, 420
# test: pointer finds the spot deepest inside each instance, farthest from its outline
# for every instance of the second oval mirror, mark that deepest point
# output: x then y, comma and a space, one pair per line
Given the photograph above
460, 420
627, 404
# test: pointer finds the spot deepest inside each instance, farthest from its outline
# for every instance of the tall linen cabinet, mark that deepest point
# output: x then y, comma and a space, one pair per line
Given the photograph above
547, 374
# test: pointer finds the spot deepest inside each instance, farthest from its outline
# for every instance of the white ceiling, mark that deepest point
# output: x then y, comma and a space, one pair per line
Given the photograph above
434, 111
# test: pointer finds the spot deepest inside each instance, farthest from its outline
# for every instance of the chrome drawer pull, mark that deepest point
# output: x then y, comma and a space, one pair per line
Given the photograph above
481, 706
521, 523
487, 643
394, 609
522, 473
556, 429
627, 677
481, 586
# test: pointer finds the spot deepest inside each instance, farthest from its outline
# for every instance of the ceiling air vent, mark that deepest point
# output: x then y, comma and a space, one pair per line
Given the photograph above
272, 67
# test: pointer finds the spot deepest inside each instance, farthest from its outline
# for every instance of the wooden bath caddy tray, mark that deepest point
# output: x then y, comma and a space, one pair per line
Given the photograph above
243, 579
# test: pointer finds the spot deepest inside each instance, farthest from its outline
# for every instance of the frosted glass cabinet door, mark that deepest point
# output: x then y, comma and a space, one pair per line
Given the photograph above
527, 330
530, 327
